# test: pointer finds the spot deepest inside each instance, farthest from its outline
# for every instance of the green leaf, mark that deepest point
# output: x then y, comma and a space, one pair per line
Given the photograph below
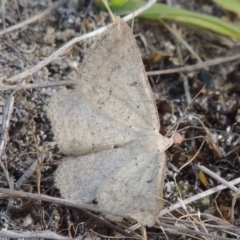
178, 15
111, 3
230, 5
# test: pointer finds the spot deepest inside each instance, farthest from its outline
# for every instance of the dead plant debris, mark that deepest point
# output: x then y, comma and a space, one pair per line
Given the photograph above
208, 128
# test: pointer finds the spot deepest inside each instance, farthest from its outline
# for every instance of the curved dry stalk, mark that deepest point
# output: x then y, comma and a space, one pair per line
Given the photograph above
69, 44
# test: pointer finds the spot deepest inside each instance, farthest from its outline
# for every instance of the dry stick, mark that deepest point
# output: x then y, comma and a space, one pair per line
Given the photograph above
6, 193
64, 48
198, 196
33, 19
43, 234
191, 68
197, 66
36, 85
7, 113
218, 178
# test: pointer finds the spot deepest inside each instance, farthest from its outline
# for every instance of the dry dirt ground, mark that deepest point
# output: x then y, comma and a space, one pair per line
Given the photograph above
209, 125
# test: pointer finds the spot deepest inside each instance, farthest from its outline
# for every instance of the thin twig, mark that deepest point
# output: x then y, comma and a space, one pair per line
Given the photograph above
36, 85
6, 193
197, 66
33, 19
218, 178
198, 196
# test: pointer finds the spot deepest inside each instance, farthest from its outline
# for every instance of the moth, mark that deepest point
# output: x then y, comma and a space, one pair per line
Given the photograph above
108, 126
